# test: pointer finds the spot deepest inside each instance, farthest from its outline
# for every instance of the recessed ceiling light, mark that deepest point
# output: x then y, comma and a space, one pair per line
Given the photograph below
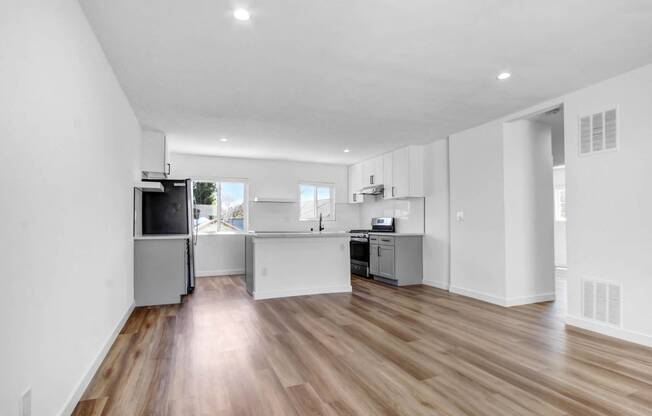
224, 139
503, 76
347, 150
241, 14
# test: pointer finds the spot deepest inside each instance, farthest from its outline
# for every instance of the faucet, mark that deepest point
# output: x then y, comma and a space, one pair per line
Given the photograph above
321, 227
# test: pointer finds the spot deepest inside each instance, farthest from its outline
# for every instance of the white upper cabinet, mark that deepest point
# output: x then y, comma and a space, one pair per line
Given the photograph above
388, 173
372, 171
355, 184
401, 171
406, 173
154, 160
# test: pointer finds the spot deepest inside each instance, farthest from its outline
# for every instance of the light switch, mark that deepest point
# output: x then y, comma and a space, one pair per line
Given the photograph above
460, 216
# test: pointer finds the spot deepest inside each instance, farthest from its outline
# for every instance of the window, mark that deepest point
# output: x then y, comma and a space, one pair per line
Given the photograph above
219, 206
315, 199
560, 204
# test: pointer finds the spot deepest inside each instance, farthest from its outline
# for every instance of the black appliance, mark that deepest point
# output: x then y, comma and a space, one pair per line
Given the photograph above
170, 212
359, 244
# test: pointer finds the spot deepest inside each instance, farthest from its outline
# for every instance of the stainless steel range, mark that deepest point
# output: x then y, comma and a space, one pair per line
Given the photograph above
360, 244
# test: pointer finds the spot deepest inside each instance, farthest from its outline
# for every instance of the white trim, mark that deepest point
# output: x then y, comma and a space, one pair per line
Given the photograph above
526, 300
95, 365
610, 330
222, 272
485, 297
478, 295
270, 294
561, 272
439, 284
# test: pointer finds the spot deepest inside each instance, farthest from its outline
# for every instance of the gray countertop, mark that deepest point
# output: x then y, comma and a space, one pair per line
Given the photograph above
398, 234
298, 234
162, 237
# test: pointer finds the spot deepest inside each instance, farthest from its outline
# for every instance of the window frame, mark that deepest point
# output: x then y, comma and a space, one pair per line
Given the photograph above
219, 181
317, 185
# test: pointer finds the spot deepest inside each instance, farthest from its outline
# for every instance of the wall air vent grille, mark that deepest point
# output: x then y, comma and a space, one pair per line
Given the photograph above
602, 301
598, 132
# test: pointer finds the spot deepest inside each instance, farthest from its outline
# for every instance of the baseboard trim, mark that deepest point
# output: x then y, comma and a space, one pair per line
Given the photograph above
610, 331
271, 294
485, 297
223, 272
95, 365
439, 284
526, 300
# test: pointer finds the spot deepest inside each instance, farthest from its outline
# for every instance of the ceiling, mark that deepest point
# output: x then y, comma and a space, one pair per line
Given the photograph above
302, 80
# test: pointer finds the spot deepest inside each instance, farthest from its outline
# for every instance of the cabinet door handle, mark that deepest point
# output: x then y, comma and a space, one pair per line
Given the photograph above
384, 239
354, 197
393, 191
371, 180
378, 251
169, 168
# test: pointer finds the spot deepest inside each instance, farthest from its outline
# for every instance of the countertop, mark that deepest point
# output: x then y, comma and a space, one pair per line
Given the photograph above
398, 234
298, 234
162, 237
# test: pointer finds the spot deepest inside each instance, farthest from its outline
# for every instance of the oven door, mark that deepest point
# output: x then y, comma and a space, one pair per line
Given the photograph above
360, 251
360, 257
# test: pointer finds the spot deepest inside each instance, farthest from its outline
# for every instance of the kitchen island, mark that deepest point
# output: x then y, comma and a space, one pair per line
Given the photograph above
281, 264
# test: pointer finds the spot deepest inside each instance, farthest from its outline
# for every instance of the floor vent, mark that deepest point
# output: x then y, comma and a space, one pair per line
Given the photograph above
598, 132
602, 301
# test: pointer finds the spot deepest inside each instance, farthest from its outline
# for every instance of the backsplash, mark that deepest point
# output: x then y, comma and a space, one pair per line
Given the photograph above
285, 217
409, 213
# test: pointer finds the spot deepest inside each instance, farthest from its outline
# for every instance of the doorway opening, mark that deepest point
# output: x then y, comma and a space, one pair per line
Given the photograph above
554, 120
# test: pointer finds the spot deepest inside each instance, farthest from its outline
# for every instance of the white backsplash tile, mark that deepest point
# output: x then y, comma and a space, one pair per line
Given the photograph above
409, 213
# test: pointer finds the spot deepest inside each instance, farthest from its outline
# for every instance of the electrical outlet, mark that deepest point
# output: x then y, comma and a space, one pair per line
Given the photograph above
26, 403
460, 216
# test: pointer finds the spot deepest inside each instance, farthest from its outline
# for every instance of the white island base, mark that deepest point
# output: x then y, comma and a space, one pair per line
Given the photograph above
293, 264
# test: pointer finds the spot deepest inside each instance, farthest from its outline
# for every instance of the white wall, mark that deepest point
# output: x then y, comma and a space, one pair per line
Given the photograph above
437, 203
557, 133
529, 240
67, 167
609, 200
224, 254
477, 264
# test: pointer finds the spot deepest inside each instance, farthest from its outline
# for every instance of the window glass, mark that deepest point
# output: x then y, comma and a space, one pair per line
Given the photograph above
324, 202
307, 202
219, 206
315, 199
232, 206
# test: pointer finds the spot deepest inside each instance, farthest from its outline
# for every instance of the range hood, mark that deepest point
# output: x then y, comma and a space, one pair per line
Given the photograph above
373, 190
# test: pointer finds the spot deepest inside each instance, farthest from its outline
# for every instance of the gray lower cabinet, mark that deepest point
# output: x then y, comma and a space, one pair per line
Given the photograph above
160, 271
396, 259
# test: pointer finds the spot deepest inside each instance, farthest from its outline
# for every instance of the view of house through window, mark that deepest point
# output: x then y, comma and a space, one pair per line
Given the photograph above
220, 206
316, 199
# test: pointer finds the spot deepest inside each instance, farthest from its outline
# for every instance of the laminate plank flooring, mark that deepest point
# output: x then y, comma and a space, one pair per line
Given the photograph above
379, 351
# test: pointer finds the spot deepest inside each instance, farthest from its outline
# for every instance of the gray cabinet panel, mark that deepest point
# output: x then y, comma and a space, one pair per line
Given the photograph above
386, 262
396, 259
160, 275
374, 251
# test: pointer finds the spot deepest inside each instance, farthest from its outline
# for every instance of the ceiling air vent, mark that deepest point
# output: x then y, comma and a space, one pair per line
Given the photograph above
598, 132
601, 301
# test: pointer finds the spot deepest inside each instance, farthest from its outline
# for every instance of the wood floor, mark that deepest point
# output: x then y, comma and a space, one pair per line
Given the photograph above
379, 351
